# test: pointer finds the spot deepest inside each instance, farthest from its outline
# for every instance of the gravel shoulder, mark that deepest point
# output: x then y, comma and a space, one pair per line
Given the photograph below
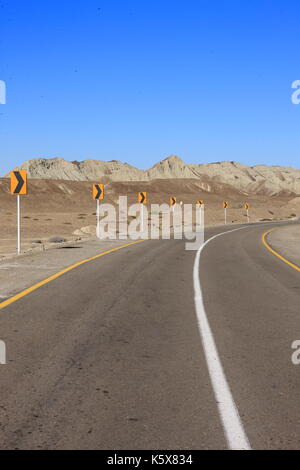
286, 242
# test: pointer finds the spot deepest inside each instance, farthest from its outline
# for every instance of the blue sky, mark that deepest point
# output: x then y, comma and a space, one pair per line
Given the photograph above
138, 80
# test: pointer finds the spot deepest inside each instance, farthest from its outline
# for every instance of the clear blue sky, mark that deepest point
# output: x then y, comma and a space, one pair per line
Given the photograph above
137, 80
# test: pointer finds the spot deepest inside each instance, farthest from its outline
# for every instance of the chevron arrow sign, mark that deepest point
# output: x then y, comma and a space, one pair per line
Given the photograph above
18, 182
98, 192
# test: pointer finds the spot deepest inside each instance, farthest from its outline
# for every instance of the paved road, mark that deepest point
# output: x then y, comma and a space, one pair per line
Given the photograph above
109, 355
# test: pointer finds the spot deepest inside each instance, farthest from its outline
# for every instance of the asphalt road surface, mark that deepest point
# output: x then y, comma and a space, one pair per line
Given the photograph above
109, 356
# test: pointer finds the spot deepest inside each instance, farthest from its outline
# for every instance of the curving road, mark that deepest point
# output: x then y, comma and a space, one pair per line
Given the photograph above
109, 355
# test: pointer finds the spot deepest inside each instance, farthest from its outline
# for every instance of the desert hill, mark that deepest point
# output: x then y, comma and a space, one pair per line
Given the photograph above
259, 179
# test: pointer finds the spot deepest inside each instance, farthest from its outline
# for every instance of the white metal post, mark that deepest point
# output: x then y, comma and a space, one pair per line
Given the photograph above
142, 219
225, 215
199, 218
98, 219
200, 208
248, 216
19, 224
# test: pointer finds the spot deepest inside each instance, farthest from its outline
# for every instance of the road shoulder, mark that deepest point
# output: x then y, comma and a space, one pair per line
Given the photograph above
22, 272
285, 242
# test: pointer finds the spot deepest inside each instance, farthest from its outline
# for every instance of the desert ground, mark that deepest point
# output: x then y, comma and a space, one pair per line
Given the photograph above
65, 209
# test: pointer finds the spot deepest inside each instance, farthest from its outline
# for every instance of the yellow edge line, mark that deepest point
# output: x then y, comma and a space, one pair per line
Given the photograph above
60, 273
278, 255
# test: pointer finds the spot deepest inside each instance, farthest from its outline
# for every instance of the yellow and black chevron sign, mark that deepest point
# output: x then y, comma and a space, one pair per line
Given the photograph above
18, 182
142, 198
98, 191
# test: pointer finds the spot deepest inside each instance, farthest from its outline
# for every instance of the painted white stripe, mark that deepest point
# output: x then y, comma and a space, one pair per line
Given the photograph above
233, 427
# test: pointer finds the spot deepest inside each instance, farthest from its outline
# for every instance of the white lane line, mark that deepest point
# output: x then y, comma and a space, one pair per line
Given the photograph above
232, 424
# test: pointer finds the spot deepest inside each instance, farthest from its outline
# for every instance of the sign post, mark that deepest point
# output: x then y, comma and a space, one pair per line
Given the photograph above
225, 205
173, 201
247, 209
200, 204
18, 186
18, 224
142, 198
98, 219
98, 194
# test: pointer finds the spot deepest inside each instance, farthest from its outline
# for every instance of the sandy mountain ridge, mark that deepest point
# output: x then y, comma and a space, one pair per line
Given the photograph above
259, 179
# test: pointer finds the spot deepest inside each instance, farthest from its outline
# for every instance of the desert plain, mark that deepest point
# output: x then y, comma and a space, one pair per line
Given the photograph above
64, 209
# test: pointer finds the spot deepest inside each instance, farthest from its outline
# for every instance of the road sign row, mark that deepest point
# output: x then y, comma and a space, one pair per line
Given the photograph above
18, 185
